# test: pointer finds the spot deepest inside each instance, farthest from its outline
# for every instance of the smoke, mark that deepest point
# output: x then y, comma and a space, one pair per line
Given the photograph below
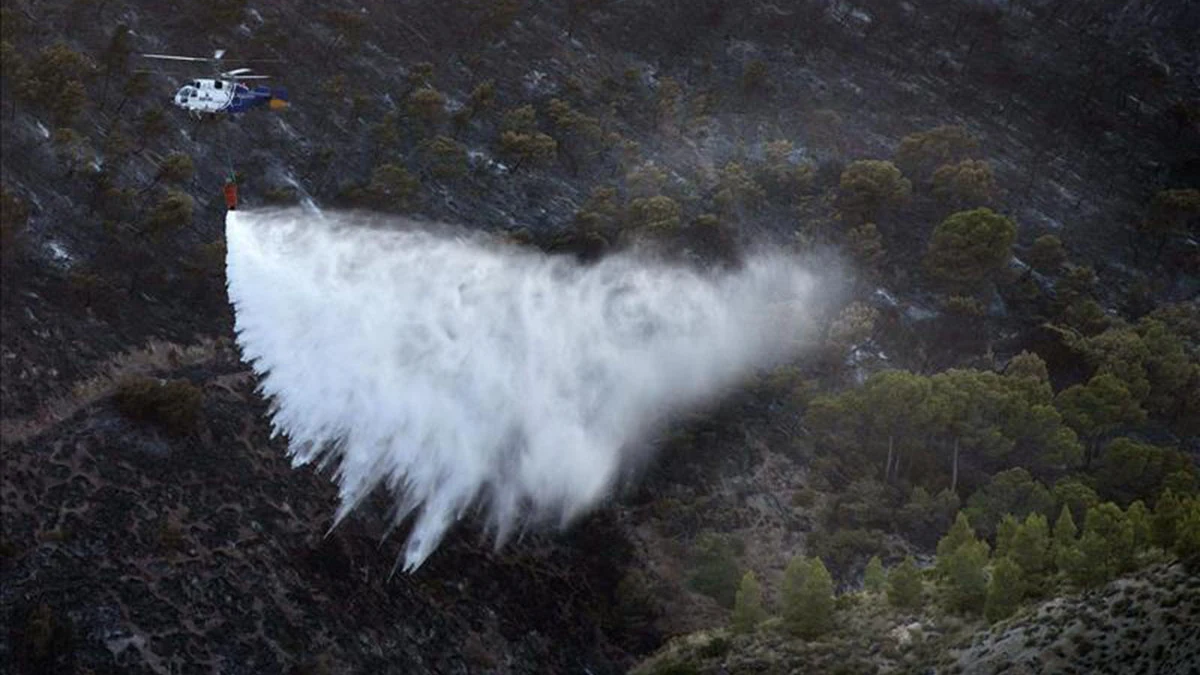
468, 375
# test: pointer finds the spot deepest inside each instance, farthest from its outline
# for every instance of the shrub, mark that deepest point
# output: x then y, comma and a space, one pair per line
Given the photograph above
174, 405
904, 586
807, 596
392, 186
737, 191
715, 571
44, 643
14, 215
176, 168
844, 548
853, 324
874, 578
756, 80
967, 183
54, 82
1047, 254
1171, 211
445, 157
748, 609
172, 211
970, 247
865, 246
783, 180
868, 186
646, 180
482, 98
655, 215
715, 648
920, 153
534, 148
427, 104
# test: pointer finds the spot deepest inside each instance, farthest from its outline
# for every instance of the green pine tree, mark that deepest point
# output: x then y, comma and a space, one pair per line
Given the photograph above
1006, 532
1031, 545
1168, 513
748, 610
1139, 520
715, 571
1005, 590
904, 586
960, 534
1065, 545
1088, 567
1109, 523
874, 579
807, 597
1187, 534
966, 577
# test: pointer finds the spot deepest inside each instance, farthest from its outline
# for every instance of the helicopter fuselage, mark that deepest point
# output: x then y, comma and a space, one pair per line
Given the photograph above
226, 96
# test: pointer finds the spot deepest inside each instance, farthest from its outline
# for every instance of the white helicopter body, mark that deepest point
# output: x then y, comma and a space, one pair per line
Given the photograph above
224, 93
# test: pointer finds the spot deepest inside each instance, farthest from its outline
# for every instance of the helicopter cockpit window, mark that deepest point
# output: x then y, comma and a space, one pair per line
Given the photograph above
217, 84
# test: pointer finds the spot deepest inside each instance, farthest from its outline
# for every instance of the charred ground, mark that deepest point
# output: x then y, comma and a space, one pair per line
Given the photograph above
128, 547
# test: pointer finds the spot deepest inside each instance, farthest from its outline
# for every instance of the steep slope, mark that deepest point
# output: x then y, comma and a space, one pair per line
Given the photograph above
127, 549
1144, 623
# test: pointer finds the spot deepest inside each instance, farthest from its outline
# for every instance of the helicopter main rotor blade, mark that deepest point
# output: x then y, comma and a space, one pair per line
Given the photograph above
235, 72
250, 77
170, 57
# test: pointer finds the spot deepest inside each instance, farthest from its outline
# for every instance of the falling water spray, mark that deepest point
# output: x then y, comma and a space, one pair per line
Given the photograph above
467, 376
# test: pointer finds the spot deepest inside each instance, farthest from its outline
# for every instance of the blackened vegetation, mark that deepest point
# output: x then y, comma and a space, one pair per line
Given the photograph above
174, 405
215, 548
928, 143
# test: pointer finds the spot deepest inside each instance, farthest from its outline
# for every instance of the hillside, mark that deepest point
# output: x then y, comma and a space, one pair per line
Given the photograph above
1140, 624
1000, 198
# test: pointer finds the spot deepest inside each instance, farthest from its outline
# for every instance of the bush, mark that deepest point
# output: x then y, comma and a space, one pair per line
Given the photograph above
715, 570
868, 186
748, 609
874, 578
1047, 254
427, 104
534, 148
172, 211
655, 215
970, 247
865, 246
392, 186
14, 215
737, 192
967, 183
905, 586
853, 325
445, 157
920, 153
174, 405
845, 548
54, 82
1171, 211
756, 80
176, 168
807, 597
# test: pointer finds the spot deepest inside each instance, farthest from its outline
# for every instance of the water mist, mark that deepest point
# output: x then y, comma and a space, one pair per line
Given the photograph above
470, 376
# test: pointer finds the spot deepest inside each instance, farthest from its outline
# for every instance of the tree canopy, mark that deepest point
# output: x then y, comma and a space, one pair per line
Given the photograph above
970, 247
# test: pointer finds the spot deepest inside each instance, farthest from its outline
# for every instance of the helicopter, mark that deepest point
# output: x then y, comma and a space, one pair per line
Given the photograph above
224, 93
